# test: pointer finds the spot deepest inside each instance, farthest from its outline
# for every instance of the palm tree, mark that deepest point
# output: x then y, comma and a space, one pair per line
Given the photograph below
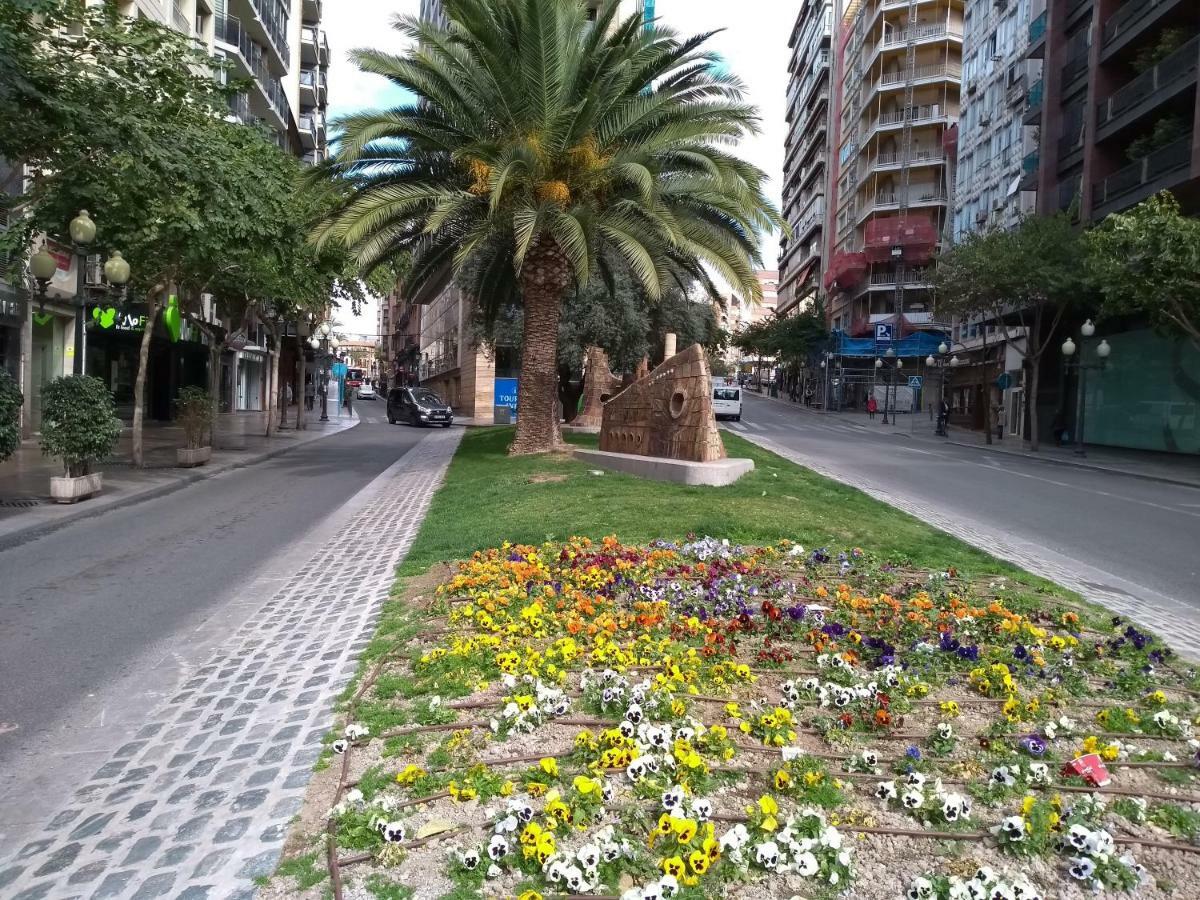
542, 149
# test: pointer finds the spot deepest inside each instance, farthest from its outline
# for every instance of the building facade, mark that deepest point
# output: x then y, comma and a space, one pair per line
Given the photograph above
806, 155
898, 71
993, 138
278, 48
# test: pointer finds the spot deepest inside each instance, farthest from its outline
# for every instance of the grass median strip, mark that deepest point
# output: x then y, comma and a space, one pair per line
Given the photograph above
490, 498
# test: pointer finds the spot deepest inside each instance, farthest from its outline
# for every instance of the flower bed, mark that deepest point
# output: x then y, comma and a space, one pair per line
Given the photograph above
704, 720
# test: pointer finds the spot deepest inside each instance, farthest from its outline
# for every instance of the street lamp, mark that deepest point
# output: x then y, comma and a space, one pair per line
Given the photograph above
896, 364
82, 231
941, 363
42, 267
1103, 350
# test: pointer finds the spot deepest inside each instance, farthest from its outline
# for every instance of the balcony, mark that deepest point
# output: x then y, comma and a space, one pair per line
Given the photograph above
920, 73
1068, 192
310, 126
1149, 174
251, 62
1037, 37
1148, 90
312, 10
911, 278
886, 161
902, 36
915, 114
1029, 171
179, 19
312, 87
1033, 103
310, 45
889, 201
1132, 19
267, 21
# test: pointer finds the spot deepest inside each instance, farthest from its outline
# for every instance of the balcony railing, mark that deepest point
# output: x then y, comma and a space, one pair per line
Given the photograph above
1029, 165
274, 16
921, 157
1176, 155
1036, 94
179, 19
913, 113
1179, 67
1068, 190
1126, 17
919, 33
1037, 28
230, 30
931, 71
890, 278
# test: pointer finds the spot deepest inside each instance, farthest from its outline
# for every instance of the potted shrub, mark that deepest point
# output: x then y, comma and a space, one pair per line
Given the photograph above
193, 410
80, 426
10, 416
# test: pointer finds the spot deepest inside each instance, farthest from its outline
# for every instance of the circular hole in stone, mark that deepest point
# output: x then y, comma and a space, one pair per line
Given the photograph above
678, 399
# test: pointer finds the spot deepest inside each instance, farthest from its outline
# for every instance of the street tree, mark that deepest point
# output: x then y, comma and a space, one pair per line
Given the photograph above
536, 143
1022, 280
1147, 261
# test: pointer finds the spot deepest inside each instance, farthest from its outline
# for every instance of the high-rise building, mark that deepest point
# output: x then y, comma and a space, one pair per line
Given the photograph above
993, 139
897, 74
1116, 106
277, 47
806, 155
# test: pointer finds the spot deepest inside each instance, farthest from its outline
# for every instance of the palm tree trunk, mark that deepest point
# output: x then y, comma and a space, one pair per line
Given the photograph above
544, 278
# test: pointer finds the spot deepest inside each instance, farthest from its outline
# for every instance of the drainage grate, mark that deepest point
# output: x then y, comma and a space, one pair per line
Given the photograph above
19, 502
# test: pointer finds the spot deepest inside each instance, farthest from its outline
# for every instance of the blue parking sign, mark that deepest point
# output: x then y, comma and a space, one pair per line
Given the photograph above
883, 333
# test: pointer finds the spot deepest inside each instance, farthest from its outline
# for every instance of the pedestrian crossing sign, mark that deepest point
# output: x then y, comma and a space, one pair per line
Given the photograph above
914, 381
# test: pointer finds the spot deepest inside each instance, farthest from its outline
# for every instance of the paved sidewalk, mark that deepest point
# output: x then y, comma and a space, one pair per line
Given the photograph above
197, 802
26, 510
1168, 467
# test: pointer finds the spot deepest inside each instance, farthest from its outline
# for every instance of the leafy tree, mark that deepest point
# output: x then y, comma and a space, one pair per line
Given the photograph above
10, 415
1147, 261
537, 145
1022, 280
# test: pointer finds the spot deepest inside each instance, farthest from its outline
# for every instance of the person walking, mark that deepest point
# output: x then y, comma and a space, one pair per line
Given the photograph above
310, 391
351, 391
872, 407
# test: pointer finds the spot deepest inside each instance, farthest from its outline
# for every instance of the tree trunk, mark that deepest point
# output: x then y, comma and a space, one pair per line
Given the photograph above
214, 387
987, 392
300, 423
139, 383
272, 392
1035, 366
544, 278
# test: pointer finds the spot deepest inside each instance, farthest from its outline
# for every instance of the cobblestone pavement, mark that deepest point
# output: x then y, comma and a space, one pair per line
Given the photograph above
196, 804
1174, 621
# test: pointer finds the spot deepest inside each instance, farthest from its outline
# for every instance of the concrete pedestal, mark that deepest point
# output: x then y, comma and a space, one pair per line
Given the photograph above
714, 474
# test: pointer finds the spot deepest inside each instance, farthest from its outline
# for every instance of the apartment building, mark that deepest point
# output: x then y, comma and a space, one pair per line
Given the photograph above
898, 76
1115, 113
1116, 107
806, 155
991, 189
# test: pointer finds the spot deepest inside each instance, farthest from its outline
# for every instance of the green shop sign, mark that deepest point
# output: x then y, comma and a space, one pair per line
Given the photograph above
109, 318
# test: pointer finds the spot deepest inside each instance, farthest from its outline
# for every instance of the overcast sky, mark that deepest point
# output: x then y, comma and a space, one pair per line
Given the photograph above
753, 44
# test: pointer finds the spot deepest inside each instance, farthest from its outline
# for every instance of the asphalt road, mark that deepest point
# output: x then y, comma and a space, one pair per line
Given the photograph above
101, 618
1111, 535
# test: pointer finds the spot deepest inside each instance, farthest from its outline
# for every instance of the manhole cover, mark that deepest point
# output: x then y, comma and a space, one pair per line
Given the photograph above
19, 502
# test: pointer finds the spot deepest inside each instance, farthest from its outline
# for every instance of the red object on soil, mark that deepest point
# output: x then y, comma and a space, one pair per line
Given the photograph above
1091, 768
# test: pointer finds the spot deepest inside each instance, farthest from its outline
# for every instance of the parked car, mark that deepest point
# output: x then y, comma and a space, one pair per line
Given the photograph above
418, 406
366, 391
727, 402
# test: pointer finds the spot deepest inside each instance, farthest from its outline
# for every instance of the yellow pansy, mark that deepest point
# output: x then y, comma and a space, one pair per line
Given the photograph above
549, 765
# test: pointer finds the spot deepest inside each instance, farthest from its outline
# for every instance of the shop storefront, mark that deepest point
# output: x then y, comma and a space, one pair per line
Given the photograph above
114, 338
251, 378
12, 317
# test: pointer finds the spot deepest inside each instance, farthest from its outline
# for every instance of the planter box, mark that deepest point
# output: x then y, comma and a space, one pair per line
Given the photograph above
186, 459
71, 490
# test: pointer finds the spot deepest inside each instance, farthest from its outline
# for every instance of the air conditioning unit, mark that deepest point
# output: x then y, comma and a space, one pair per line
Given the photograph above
971, 88
985, 119
981, 217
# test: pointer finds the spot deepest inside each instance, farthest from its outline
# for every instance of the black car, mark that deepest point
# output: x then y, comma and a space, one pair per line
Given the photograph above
418, 406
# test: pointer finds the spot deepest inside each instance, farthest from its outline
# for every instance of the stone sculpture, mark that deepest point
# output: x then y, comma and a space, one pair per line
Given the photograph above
599, 384
667, 414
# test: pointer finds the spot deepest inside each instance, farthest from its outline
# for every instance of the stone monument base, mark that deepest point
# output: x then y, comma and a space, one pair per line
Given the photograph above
717, 473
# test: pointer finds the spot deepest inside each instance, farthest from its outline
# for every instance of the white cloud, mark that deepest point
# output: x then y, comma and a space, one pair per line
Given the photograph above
358, 24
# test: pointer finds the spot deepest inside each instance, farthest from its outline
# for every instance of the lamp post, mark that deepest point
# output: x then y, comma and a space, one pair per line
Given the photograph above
82, 231
1103, 350
941, 363
322, 340
826, 366
894, 365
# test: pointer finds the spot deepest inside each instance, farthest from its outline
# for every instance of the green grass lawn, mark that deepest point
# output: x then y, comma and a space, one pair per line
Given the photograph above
489, 498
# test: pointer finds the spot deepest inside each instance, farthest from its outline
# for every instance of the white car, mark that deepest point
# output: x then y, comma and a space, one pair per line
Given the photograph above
727, 402
366, 391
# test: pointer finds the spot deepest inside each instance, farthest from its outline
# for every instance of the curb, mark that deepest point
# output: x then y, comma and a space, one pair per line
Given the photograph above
20, 536
1145, 476
1161, 479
